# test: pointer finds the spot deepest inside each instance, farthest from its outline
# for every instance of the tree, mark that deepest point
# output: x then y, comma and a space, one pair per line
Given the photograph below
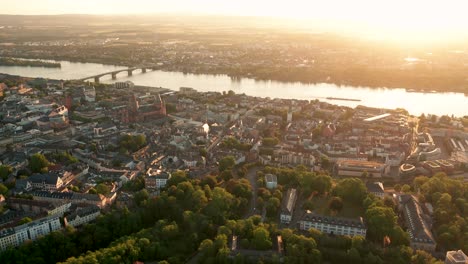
380, 222
351, 189
270, 141
210, 181
177, 177
25, 220
322, 183
308, 205
272, 206
261, 239
365, 174
3, 189
226, 163
226, 175
422, 257
203, 152
103, 189
406, 188
5, 171
336, 204
326, 164
38, 163
397, 188
141, 196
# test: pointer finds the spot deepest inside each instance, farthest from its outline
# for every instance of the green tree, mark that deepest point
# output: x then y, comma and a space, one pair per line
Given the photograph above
406, 188
261, 239
5, 171
226, 163
335, 204
3, 189
272, 206
380, 222
102, 188
38, 163
351, 189
25, 220
141, 196
322, 183
177, 177
270, 141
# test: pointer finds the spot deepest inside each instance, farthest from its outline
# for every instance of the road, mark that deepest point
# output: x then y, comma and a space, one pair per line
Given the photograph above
252, 177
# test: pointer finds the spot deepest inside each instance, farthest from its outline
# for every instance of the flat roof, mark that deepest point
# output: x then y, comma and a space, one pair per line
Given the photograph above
377, 117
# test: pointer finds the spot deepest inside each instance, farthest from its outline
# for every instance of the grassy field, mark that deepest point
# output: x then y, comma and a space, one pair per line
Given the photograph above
350, 210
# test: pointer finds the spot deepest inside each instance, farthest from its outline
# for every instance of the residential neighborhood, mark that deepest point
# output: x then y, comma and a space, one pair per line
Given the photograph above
72, 152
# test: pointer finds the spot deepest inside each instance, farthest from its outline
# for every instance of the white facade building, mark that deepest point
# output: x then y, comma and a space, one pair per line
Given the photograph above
13, 237
333, 225
83, 216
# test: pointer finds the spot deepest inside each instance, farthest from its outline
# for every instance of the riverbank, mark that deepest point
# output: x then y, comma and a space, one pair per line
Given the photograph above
28, 63
416, 103
416, 80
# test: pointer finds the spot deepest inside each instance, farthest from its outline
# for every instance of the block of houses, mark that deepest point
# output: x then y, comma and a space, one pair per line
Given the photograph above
82, 216
46, 182
38, 207
13, 237
156, 179
333, 225
93, 199
417, 222
287, 207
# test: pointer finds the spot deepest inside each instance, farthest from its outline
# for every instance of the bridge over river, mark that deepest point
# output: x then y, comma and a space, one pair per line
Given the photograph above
114, 73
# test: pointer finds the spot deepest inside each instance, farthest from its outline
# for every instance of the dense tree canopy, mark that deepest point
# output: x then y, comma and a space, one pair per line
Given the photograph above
351, 189
38, 163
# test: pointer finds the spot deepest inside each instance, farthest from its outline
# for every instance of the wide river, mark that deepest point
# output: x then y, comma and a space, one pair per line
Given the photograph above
415, 103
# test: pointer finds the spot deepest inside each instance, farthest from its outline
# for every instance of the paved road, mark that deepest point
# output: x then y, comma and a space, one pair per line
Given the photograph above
252, 177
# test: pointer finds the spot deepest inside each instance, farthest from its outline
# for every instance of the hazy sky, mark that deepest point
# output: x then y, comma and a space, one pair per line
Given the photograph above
405, 17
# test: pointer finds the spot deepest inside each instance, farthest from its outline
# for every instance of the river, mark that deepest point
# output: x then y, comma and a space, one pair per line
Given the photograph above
415, 103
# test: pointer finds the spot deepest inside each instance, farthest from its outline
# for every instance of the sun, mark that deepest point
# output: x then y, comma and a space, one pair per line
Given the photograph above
414, 21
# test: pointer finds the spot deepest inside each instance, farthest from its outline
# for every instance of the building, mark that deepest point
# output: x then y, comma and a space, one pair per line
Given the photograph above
456, 257
58, 118
82, 216
89, 93
156, 179
418, 223
123, 85
287, 208
187, 90
355, 168
376, 188
143, 108
93, 199
13, 237
271, 181
38, 207
407, 169
45, 182
333, 225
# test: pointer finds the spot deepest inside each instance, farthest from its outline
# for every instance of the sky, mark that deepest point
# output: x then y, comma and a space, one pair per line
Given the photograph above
403, 18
